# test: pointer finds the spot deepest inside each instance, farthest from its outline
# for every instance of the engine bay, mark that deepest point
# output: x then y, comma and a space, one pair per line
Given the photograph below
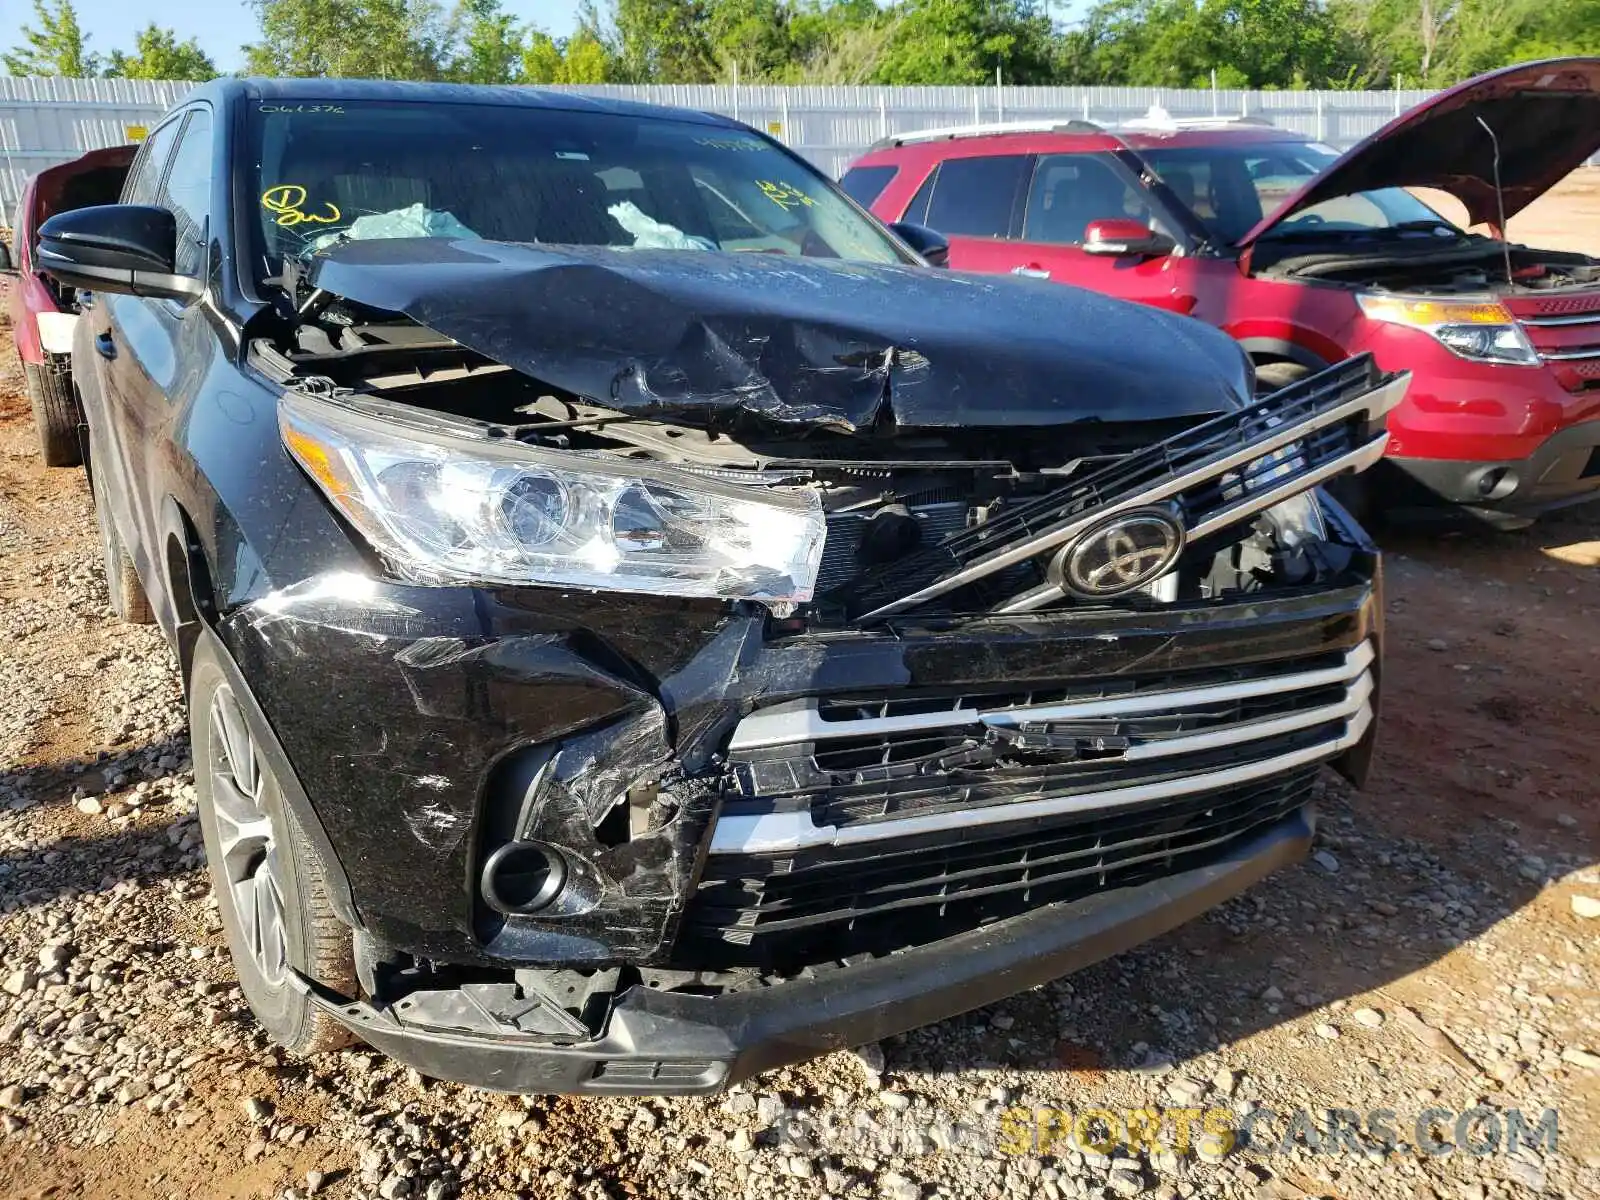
1481, 266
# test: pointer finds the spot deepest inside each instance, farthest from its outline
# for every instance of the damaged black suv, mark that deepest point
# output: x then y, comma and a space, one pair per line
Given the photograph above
642, 624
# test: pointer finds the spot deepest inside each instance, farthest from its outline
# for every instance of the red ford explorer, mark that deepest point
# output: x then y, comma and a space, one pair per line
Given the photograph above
43, 311
1307, 256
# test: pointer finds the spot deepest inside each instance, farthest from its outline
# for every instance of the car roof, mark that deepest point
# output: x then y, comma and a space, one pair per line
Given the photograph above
333, 91
1077, 137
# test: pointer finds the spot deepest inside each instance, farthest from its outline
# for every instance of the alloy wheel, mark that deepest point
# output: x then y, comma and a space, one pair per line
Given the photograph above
251, 861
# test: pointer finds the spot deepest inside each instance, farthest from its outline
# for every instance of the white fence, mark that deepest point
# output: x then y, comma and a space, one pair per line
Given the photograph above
48, 121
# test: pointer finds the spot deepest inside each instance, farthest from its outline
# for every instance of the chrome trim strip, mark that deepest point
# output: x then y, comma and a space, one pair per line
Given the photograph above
1356, 697
1375, 403
789, 725
1570, 355
791, 831
1359, 459
1588, 318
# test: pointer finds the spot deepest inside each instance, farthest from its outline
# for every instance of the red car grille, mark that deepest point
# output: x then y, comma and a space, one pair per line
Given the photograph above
1565, 330
1557, 306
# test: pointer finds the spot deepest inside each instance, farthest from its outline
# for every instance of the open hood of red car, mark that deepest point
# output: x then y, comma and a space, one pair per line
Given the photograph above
1545, 115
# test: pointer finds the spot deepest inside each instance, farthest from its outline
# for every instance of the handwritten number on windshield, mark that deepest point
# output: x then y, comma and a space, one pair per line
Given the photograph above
287, 200
784, 195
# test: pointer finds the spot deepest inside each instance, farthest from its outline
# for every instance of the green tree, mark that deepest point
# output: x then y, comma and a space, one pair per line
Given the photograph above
964, 41
58, 46
1174, 43
655, 41
580, 58
586, 59
749, 39
158, 54
489, 43
371, 39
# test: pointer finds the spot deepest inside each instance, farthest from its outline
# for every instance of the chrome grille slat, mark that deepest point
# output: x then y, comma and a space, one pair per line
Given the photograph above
1582, 318
801, 723
794, 829
771, 833
1578, 355
1163, 472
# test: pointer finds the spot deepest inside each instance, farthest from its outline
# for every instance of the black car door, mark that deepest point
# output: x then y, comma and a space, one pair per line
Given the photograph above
155, 352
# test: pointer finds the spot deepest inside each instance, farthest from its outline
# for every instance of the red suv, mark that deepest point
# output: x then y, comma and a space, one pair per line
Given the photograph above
1307, 256
43, 312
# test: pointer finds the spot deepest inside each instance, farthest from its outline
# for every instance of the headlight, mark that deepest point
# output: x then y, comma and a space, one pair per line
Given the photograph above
1483, 331
443, 509
1297, 519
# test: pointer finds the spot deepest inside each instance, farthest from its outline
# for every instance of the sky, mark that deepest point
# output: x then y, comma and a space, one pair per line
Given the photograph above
222, 26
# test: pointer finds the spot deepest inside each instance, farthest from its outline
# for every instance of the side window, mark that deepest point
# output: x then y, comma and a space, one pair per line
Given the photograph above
187, 192
145, 176
1071, 190
976, 197
917, 210
866, 184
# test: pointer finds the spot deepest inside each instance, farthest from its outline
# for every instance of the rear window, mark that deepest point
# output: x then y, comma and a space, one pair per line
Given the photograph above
866, 184
977, 197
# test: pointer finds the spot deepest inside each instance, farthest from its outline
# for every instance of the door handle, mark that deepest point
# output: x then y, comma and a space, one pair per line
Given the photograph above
1031, 271
103, 343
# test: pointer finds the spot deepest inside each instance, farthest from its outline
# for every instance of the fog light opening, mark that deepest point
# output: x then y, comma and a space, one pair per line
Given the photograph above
1495, 483
522, 878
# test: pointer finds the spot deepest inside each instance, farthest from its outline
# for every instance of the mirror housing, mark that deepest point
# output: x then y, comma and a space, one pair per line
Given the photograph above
930, 243
126, 248
1119, 236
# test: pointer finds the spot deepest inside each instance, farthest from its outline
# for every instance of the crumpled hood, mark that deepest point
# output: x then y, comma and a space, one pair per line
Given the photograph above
804, 341
1545, 116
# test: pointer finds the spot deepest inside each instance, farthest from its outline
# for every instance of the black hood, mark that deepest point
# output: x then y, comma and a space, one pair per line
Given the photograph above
802, 341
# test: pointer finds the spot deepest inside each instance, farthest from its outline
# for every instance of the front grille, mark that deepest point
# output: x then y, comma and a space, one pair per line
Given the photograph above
785, 911
840, 816
1565, 330
1215, 473
1530, 306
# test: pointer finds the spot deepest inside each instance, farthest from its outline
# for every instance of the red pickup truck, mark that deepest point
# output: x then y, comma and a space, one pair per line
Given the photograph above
1307, 257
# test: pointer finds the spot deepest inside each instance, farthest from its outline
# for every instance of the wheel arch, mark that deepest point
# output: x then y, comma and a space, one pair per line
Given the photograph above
1269, 349
192, 605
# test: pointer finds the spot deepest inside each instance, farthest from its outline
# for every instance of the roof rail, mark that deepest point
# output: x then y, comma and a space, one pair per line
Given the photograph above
1159, 119
1054, 125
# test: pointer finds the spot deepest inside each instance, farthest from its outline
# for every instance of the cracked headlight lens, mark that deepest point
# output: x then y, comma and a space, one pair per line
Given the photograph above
443, 508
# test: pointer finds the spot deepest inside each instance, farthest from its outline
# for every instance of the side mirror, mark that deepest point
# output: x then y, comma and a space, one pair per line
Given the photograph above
930, 243
127, 248
1120, 236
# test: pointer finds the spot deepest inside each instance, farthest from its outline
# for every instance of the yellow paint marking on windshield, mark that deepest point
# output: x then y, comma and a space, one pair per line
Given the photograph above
287, 200
784, 195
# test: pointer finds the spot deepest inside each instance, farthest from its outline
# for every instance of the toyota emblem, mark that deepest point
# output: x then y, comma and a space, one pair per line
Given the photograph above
1121, 554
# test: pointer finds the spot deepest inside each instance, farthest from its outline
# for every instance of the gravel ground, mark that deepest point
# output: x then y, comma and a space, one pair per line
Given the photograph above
1439, 951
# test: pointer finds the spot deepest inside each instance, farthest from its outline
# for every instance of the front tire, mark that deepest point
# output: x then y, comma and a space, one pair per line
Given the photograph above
270, 887
55, 411
1275, 376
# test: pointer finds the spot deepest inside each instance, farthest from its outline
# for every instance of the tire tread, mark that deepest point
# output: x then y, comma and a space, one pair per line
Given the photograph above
55, 411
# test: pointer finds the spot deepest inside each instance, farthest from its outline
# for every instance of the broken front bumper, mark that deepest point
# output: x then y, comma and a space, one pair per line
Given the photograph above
671, 1043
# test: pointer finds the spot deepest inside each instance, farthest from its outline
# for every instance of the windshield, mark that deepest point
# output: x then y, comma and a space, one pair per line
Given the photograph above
1230, 188
326, 172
